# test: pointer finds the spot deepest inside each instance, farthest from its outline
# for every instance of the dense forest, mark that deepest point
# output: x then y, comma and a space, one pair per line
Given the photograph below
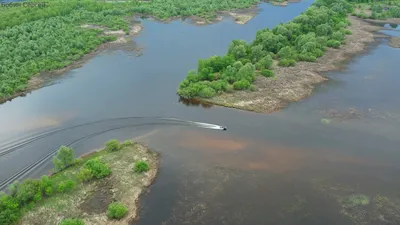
36, 39
305, 38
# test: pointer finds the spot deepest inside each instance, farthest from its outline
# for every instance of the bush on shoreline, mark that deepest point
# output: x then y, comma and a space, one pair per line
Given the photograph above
63, 158
116, 210
141, 166
305, 38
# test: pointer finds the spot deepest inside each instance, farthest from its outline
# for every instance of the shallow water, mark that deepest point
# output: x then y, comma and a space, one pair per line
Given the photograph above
272, 169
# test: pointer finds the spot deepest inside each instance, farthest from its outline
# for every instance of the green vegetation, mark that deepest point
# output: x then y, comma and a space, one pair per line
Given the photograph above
96, 168
72, 222
37, 39
112, 145
141, 166
116, 210
25, 195
376, 9
303, 39
63, 158
355, 201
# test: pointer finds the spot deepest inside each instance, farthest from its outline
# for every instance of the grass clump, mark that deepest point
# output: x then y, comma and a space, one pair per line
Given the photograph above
66, 186
141, 166
113, 145
267, 73
72, 222
355, 200
116, 210
127, 143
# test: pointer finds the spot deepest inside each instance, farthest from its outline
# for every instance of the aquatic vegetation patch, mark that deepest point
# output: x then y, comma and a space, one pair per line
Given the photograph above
362, 208
355, 200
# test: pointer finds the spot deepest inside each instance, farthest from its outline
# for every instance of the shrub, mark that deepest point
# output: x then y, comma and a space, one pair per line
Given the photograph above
46, 185
9, 209
287, 62
127, 143
65, 186
72, 222
12, 188
84, 175
63, 158
307, 58
229, 88
333, 44
78, 161
347, 32
141, 166
28, 190
207, 92
267, 73
97, 168
112, 145
116, 210
338, 36
265, 63
241, 85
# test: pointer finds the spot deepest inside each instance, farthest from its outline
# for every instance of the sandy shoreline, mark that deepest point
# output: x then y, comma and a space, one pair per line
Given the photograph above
292, 84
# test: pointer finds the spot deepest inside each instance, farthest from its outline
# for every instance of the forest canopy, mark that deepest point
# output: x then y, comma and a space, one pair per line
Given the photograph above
37, 39
305, 38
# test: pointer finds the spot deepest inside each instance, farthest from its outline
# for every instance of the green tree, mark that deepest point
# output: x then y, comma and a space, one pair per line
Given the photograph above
63, 158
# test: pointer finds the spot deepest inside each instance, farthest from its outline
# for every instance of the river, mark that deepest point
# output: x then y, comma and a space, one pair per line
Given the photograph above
294, 166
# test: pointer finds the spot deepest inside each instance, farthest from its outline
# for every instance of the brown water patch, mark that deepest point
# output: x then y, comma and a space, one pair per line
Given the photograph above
37, 123
207, 142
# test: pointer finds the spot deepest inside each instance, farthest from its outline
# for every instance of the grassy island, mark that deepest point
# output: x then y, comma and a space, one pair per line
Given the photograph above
101, 187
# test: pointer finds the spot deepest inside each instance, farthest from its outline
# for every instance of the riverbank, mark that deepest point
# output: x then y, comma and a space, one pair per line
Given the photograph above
394, 42
89, 200
292, 84
37, 81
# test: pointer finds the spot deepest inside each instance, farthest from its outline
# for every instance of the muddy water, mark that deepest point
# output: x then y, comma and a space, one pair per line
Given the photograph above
296, 166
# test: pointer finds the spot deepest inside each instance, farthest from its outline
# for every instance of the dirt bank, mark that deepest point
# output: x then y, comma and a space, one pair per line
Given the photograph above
394, 42
294, 83
89, 201
37, 81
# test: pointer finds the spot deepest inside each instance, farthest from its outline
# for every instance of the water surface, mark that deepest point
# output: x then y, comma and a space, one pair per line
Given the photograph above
266, 169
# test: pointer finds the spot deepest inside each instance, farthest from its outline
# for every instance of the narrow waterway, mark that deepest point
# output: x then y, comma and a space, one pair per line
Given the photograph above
296, 166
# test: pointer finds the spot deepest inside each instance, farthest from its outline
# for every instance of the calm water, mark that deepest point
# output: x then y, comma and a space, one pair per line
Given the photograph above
283, 168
